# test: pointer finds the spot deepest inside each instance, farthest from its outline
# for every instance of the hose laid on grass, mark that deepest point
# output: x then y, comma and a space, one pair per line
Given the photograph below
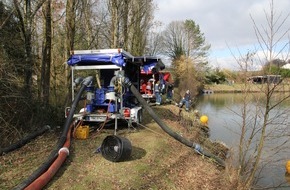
63, 153
55, 153
165, 128
25, 140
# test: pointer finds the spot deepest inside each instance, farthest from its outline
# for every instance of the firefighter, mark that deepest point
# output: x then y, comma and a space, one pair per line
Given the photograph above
185, 100
143, 86
148, 87
169, 92
157, 91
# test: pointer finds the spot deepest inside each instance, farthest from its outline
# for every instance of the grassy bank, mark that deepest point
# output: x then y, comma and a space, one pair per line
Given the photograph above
236, 88
157, 161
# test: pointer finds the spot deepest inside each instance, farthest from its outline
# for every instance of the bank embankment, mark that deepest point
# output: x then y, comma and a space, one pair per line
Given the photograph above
249, 87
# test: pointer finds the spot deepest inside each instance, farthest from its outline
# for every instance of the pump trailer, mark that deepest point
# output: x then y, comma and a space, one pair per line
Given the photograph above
107, 100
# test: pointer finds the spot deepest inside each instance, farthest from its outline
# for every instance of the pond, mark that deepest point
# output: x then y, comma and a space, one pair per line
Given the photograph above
225, 122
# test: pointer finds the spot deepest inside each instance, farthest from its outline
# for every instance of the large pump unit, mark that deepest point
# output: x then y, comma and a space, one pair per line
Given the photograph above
107, 100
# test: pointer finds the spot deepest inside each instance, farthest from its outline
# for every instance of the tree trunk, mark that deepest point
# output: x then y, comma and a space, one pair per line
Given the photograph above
46, 56
70, 30
25, 17
114, 22
125, 16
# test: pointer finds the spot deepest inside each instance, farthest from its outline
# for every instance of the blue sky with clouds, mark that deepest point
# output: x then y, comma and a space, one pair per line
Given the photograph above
226, 24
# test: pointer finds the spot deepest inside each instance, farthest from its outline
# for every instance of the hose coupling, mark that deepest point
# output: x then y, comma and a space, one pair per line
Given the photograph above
64, 149
127, 82
198, 148
87, 81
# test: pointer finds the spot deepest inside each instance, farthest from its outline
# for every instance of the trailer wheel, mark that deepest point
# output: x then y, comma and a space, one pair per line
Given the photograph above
116, 149
139, 119
139, 116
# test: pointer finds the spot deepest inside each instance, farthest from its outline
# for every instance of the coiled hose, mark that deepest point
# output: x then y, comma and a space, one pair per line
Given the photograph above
165, 128
55, 153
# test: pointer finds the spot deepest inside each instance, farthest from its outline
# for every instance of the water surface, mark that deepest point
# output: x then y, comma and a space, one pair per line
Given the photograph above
225, 118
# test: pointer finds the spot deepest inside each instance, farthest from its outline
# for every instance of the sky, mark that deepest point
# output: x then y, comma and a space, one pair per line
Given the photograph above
226, 24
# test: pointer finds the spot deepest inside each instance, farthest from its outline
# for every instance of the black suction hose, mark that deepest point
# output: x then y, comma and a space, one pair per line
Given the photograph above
86, 82
165, 128
25, 140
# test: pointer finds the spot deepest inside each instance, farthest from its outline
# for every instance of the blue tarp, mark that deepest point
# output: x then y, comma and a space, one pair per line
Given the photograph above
118, 59
92, 59
147, 69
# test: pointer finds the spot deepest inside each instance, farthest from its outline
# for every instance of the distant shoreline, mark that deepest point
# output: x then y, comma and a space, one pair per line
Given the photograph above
239, 88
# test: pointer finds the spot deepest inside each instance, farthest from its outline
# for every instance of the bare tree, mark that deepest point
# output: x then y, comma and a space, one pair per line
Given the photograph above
46, 56
185, 44
262, 123
130, 22
26, 11
155, 41
140, 23
185, 38
125, 22
115, 11
174, 41
71, 7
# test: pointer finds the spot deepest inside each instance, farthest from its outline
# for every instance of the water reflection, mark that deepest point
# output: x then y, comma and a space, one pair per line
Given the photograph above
220, 100
225, 111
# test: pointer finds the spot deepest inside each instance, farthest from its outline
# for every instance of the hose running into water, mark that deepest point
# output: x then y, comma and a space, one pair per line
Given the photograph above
169, 131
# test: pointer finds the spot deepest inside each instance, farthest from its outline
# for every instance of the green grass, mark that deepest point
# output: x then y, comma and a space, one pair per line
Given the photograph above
284, 87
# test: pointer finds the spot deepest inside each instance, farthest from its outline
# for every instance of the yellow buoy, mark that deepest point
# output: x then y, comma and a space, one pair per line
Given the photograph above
203, 119
288, 167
